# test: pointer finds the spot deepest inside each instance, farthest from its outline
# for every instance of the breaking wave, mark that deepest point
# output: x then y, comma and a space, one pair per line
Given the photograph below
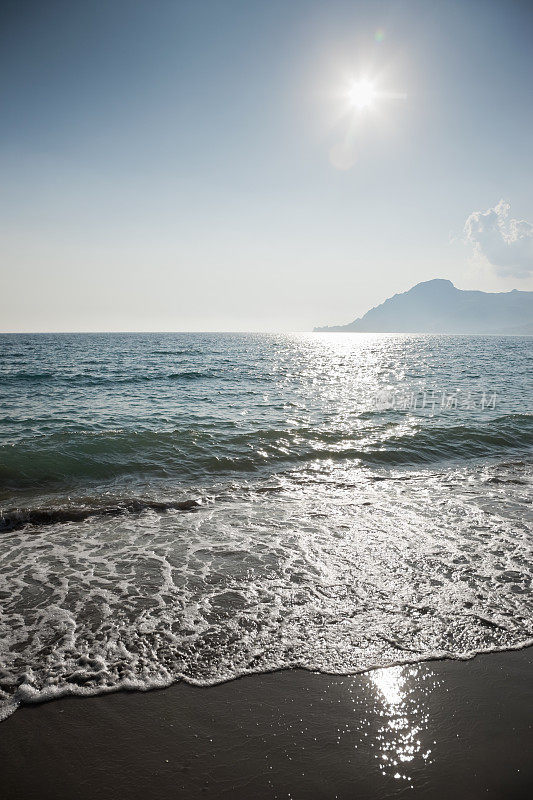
67, 456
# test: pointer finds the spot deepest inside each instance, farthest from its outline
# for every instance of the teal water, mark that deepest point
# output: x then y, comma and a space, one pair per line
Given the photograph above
198, 506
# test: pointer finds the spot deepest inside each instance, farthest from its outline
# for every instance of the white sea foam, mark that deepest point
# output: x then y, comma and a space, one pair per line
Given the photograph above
334, 571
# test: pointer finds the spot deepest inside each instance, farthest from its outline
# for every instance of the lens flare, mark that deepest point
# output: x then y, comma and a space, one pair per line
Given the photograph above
362, 94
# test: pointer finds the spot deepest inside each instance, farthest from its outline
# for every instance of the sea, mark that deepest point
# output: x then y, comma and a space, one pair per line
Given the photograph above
197, 507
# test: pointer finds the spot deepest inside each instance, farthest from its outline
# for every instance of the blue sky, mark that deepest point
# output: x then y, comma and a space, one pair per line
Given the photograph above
174, 166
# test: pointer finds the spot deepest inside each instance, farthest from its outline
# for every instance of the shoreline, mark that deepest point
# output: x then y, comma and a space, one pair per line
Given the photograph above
425, 729
82, 692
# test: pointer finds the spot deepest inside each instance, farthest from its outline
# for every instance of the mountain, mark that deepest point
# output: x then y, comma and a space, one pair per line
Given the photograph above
438, 307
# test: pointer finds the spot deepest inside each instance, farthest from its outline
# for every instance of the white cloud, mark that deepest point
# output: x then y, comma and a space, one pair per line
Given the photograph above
506, 243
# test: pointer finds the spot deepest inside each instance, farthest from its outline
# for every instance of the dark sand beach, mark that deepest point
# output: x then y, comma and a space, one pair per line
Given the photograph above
443, 729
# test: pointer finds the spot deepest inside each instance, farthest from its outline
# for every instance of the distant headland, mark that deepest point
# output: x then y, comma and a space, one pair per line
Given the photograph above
437, 306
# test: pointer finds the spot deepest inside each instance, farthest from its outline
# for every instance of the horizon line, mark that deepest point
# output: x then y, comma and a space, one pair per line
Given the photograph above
265, 333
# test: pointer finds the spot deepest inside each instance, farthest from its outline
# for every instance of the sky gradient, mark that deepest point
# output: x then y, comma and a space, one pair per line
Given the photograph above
175, 165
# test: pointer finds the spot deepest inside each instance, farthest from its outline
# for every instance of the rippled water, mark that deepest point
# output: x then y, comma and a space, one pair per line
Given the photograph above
201, 506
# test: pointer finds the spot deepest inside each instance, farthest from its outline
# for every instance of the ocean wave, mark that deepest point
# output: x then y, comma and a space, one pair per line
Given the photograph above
71, 455
17, 518
94, 379
190, 375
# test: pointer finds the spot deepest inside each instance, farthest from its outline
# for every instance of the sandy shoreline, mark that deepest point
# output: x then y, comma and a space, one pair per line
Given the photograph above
431, 730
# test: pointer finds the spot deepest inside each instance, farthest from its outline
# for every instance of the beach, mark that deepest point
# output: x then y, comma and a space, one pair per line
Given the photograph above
430, 730
232, 566
266, 408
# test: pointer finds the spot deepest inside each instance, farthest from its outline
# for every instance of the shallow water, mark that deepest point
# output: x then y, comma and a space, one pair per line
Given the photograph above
200, 506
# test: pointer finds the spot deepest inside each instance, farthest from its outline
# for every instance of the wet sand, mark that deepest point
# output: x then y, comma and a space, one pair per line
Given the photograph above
433, 730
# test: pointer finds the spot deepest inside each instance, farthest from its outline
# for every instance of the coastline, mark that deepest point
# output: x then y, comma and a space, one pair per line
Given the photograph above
430, 730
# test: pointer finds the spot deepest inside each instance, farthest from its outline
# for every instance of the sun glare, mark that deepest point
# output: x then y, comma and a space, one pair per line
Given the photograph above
362, 94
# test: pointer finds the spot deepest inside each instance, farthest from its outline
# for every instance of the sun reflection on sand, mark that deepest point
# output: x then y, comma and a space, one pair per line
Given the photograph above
402, 692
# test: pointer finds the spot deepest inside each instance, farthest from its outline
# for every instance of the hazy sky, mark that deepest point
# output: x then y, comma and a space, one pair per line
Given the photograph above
197, 165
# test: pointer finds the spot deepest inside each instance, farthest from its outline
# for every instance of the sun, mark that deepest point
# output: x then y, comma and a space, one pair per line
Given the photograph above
362, 94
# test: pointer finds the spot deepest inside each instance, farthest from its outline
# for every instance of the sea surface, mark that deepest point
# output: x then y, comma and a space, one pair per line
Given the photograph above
201, 506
